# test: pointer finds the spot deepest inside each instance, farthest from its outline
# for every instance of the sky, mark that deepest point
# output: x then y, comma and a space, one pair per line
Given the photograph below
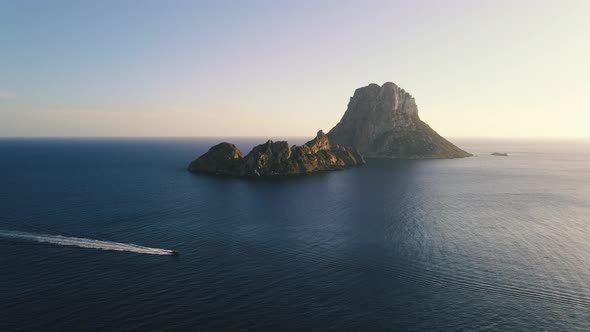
288, 68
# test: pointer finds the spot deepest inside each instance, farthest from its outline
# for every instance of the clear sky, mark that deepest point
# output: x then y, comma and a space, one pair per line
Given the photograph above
287, 68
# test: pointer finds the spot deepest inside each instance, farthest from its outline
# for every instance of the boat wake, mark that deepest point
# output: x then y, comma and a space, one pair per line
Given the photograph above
84, 243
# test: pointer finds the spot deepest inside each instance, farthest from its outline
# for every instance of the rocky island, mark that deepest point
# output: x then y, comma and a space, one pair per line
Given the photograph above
383, 122
274, 159
380, 122
500, 154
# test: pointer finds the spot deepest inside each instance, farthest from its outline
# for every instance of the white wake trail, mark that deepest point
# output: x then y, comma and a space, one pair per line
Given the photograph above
84, 243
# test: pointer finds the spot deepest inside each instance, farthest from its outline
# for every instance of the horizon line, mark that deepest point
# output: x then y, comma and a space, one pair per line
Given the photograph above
282, 136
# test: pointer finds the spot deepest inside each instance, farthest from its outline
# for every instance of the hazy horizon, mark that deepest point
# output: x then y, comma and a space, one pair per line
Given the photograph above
488, 69
263, 138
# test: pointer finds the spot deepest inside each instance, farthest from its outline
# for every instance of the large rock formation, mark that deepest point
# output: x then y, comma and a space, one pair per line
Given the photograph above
273, 159
383, 122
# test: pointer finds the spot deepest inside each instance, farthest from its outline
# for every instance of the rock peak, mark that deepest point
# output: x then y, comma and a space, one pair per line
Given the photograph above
319, 143
387, 98
383, 122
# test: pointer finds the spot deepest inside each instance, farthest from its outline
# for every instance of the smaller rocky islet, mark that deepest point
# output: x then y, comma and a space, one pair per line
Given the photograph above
500, 154
274, 159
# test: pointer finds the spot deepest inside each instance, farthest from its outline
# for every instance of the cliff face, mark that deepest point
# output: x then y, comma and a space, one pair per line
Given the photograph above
273, 159
383, 122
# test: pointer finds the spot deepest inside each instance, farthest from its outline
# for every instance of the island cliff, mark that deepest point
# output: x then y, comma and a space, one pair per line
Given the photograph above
273, 159
383, 122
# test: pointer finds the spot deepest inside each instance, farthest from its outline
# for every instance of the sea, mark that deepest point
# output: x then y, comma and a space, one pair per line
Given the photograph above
487, 243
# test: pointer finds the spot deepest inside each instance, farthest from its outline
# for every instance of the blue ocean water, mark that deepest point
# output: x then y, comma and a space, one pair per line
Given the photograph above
484, 243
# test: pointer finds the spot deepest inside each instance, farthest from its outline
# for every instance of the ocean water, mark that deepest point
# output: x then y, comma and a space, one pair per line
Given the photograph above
477, 244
